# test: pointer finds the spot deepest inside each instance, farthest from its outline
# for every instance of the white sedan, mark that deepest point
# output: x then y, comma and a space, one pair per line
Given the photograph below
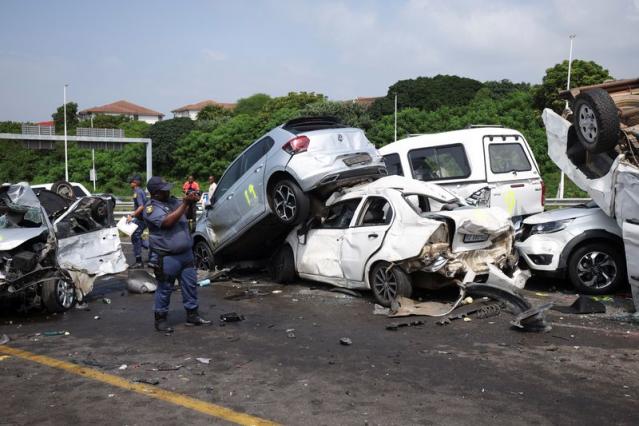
396, 233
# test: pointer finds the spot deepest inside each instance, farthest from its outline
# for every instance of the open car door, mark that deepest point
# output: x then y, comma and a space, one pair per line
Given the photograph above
88, 242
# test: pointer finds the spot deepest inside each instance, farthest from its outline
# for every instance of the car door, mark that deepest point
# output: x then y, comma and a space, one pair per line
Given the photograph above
320, 255
631, 247
363, 239
250, 202
512, 175
87, 239
222, 215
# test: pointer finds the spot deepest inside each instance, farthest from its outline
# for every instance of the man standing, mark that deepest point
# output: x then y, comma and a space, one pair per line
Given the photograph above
139, 200
190, 185
212, 186
171, 240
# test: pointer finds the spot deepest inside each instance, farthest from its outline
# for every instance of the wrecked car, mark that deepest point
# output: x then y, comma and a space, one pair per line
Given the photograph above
488, 166
51, 251
597, 147
271, 186
580, 243
395, 234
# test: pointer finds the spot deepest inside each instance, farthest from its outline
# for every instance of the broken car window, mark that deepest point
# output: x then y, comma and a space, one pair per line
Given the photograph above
444, 162
378, 211
419, 202
340, 214
508, 157
89, 215
393, 164
13, 215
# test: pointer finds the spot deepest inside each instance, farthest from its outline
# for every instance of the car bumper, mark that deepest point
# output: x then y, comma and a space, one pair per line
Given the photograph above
542, 252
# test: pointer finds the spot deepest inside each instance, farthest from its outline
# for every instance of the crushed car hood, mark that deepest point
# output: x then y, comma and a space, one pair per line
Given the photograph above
560, 214
14, 237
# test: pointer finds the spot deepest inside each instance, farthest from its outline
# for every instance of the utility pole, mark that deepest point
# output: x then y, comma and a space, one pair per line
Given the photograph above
66, 155
395, 117
560, 189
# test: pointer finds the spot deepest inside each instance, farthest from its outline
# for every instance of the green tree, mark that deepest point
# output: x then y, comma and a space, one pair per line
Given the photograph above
427, 93
583, 73
252, 105
292, 101
135, 129
212, 112
10, 127
165, 135
349, 113
72, 118
502, 88
104, 121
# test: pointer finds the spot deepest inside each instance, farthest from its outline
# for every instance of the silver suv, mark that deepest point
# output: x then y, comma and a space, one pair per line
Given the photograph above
269, 188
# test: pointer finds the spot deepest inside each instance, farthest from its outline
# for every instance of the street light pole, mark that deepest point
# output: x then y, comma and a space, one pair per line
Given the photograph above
66, 157
395, 117
560, 190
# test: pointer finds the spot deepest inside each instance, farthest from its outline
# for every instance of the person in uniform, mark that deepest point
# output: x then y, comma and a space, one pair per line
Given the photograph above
139, 200
171, 240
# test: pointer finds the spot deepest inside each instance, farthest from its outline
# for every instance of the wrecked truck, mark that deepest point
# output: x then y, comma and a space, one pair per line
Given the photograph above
52, 250
395, 234
596, 144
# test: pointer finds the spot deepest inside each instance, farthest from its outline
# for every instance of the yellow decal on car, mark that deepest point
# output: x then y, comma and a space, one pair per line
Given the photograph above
250, 192
511, 201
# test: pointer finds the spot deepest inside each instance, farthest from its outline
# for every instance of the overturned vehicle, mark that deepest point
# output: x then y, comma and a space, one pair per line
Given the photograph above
51, 249
597, 146
395, 234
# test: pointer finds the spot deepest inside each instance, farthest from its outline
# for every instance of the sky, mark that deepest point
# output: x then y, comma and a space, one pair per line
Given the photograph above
165, 54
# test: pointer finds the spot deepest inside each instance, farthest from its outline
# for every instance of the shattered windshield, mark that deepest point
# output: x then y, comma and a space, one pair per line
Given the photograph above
19, 207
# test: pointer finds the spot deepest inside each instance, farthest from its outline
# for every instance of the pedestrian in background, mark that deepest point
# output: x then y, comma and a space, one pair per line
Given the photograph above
139, 200
171, 240
212, 186
190, 185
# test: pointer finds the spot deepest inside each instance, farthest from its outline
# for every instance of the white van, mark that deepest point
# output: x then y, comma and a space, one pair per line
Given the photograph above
487, 165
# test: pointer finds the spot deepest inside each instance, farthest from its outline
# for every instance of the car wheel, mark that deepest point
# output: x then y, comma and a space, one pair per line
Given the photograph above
597, 268
63, 189
289, 203
58, 295
389, 282
283, 265
203, 256
596, 120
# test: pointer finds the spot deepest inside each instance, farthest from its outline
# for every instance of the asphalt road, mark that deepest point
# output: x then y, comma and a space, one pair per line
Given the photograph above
285, 363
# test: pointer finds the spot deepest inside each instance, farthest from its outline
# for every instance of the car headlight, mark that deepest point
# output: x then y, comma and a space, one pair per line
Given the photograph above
550, 227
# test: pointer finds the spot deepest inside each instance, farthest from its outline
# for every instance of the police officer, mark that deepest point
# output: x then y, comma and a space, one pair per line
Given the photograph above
170, 238
139, 200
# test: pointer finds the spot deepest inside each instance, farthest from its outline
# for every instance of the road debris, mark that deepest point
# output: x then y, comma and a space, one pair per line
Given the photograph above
395, 326
140, 281
380, 310
203, 360
56, 333
583, 305
346, 291
204, 283
167, 367
97, 317
290, 332
123, 367
345, 341
153, 382
4, 339
106, 300
405, 307
231, 317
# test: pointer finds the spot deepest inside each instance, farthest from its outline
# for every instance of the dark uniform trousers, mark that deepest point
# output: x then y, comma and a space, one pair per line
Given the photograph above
180, 267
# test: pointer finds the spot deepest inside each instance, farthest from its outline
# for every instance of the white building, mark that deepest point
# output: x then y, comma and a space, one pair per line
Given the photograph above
192, 110
124, 108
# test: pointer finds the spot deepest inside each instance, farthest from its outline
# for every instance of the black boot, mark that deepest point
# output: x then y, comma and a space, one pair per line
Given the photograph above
193, 318
161, 324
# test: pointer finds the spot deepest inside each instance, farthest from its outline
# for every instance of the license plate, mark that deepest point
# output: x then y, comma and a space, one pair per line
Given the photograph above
475, 238
357, 159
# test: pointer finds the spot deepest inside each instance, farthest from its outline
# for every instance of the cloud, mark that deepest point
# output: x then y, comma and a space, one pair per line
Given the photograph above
214, 55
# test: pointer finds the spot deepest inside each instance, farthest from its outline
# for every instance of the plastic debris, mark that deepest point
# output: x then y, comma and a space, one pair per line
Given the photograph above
4, 339
467, 319
153, 382
97, 317
380, 310
395, 326
231, 317
467, 300
276, 291
106, 300
140, 281
204, 283
56, 333
345, 341
203, 360
123, 367
290, 332
583, 305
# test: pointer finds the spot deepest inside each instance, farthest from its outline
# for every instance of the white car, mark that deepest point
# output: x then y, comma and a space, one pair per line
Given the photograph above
487, 165
396, 233
69, 190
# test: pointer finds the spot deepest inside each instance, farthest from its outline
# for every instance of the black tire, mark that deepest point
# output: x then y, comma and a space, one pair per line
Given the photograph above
289, 203
283, 265
58, 295
597, 268
596, 120
100, 211
64, 189
203, 256
387, 285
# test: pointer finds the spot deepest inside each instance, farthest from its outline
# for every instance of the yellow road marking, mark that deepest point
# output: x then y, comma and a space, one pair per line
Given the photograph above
3, 357
150, 391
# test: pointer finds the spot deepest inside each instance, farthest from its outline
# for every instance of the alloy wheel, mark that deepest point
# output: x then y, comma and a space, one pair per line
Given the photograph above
588, 123
202, 260
597, 269
385, 284
285, 202
65, 293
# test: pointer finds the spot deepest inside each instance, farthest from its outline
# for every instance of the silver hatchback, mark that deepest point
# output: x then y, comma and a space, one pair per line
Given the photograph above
269, 188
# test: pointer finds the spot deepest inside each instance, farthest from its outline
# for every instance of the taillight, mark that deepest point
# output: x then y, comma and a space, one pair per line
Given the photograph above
543, 193
297, 145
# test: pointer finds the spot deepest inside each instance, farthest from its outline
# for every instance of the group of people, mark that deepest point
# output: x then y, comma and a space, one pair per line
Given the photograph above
170, 243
